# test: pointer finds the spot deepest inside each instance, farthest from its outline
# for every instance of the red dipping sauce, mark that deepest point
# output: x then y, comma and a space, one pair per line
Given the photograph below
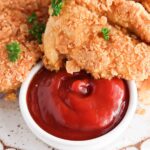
76, 107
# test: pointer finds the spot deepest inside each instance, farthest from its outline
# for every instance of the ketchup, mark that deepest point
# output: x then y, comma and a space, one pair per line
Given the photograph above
76, 107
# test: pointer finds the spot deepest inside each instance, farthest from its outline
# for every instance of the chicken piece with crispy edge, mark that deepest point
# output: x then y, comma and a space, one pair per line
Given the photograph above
14, 27
131, 15
126, 13
76, 35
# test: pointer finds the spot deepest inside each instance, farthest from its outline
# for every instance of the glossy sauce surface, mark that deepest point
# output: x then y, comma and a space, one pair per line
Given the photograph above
76, 107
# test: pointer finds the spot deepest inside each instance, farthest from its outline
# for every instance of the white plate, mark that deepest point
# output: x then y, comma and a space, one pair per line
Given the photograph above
15, 134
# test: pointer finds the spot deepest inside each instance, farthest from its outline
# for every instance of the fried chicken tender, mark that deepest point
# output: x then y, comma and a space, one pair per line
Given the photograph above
126, 13
14, 27
131, 15
75, 35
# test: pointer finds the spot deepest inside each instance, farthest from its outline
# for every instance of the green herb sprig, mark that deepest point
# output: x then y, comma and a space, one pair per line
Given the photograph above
13, 50
37, 28
105, 32
57, 7
32, 18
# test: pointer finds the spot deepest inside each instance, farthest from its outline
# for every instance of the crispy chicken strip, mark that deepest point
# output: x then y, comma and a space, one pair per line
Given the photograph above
131, 15
14, 27
126, 13
76, 35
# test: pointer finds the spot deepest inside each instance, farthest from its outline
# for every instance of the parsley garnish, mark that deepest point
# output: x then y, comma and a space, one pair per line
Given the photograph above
32, 18
37, 28
57, 7
105, 32
13, 50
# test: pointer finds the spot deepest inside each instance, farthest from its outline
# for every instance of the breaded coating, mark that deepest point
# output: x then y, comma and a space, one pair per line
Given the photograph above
131, 15
76, 35
126, 13
14, 27
145, 3
144, 91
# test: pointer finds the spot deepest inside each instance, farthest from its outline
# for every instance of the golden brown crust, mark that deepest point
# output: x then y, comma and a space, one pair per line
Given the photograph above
14, 27
144, 91
76, 35
145, 3
131, 15
11, 96
126, 13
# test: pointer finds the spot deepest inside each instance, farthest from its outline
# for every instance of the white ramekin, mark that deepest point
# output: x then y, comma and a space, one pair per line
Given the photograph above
93, 144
